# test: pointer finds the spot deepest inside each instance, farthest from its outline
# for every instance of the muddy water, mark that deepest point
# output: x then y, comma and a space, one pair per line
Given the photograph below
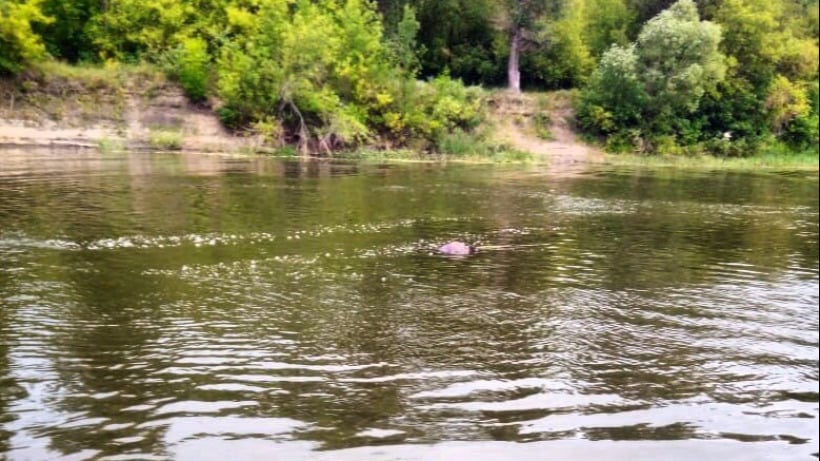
197, 308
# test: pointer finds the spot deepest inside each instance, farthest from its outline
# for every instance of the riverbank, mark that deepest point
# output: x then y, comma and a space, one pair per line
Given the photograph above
115, 107
770, 161
124, 107
119, 107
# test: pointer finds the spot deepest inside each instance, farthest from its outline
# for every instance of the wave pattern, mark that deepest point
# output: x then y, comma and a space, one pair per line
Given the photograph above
586, 328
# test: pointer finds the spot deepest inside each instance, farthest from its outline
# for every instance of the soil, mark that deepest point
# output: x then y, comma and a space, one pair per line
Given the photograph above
130, 118
543, 128
68, 115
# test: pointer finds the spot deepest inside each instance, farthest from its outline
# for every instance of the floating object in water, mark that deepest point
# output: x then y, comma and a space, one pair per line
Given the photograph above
456, 248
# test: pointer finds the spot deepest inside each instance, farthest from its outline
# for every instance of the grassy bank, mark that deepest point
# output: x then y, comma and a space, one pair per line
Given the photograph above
114, 106
139, 102
120, 106
76, 96
503, 155
806, 161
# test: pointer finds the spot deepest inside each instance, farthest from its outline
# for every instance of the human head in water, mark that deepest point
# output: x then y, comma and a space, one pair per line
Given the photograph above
457, 248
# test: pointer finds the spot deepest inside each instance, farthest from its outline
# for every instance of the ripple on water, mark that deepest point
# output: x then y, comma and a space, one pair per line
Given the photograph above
13, 240
572, 327
181, 429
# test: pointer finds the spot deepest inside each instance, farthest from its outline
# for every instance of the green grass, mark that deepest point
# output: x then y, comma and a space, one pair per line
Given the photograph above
411, 156
165, 140
110, 145
541, 124
391, 155
797, 161
554, 100
478, 148
508, 155
109, 76
75, 94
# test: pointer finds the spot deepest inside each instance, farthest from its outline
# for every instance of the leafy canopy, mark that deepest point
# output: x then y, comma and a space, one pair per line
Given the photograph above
652, 87
19, 44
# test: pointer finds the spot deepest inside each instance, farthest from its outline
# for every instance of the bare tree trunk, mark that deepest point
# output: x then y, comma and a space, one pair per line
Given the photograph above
303, 133
513, 72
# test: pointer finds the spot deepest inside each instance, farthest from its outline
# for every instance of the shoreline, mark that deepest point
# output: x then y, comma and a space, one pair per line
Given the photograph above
15, 134
139, 110
165, 121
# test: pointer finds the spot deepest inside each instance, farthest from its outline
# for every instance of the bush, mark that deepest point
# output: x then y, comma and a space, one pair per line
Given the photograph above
803, 134
320, 68
229, 117
19, 45
542, 121
430, 110
732, 148
459, 143
624, 141
654, 86
192, 68
165, 140
462, 144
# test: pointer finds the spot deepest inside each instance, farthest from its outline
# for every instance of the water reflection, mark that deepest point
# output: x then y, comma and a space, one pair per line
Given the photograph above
191, 307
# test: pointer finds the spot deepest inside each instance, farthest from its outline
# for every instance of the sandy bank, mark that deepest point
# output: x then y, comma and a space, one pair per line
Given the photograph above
45, 110
143, 111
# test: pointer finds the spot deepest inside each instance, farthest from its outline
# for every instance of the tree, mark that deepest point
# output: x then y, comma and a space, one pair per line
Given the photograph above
678, 62
319, 74
616, 94
19, 44
136, 29
560, 57
518, 19
318, 68
643, 11
392, 11
403, 44
654, 86
459, 37
192, 67
606, 22
147, 29
786, 102
772, 63
67, 36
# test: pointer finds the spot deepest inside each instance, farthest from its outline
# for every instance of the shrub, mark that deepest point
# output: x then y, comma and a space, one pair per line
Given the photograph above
229, 117
192, 68
654, 86
165, 140
19, 45
459, 143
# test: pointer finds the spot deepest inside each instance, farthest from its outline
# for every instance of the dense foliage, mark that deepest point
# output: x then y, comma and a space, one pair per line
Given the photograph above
771, 87
728, 76
733, 85
648, 91
19, 44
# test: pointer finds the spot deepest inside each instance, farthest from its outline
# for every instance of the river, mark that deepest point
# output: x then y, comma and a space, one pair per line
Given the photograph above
192, 307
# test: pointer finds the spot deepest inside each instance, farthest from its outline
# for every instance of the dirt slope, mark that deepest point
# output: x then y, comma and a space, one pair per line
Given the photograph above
540, 123
129, 112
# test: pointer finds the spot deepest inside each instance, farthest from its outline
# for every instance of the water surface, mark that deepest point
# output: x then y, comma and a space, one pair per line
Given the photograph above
202, 307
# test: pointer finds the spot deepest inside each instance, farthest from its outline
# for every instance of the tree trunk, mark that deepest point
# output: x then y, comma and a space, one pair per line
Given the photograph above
513, 73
